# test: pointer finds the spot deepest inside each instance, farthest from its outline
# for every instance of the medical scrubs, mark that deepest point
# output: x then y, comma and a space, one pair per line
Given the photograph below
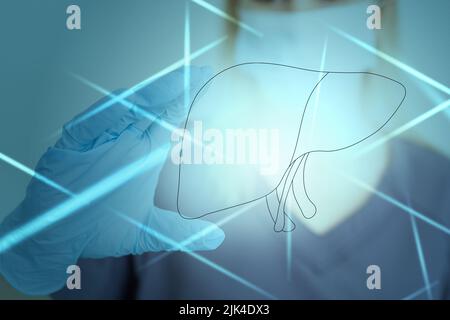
253, 262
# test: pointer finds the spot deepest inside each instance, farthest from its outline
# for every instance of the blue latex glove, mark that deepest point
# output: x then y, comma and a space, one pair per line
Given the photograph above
87, 153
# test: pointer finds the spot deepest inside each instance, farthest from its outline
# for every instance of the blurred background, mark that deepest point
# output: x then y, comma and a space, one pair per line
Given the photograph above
123, 42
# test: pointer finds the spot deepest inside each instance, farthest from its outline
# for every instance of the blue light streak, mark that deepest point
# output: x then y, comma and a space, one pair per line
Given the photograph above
423, 265
400, 205
419, 75
121, 97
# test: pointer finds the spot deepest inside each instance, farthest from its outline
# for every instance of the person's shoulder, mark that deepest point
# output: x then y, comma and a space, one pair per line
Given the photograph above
422, 152
425, 174
423, 160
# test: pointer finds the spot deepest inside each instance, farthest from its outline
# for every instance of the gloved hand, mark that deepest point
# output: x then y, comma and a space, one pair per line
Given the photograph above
89, 152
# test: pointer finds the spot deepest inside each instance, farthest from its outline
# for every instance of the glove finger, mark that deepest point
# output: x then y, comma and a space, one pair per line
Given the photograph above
167, 231
82, 131
111, 115
167, 96
161, 131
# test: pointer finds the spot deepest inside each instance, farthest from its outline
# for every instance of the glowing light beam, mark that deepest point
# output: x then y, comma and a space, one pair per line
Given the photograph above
316, 102
119, 98
289, 251
423, 265
444, 105
419, 292
33, 173
187, 58
400, 205
148, 115
393, 61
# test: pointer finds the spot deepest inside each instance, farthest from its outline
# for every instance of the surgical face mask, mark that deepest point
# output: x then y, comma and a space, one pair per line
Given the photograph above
306, 39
